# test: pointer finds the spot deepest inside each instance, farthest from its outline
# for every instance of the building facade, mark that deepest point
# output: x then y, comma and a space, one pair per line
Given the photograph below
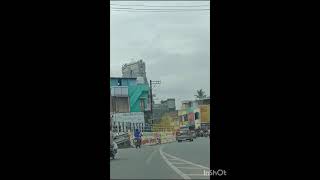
169, 105
129, 100
128, 95
135, 70
195, 114
165, 106
119, 88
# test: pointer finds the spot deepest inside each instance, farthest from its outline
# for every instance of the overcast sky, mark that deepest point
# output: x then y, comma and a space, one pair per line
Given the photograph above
174, 45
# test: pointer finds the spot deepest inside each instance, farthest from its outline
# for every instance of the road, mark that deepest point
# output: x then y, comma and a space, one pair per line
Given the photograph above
185, 160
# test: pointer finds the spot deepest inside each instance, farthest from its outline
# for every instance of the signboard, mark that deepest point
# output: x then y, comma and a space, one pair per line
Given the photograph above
133, 117
197, 124
191, 118
205, 113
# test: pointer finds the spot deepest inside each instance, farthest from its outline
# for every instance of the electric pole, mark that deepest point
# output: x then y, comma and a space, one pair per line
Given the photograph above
151, 96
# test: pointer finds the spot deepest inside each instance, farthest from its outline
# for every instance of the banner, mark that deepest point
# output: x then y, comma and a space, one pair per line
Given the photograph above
205, 113
133, 117
150, 138
191, 118
197, 123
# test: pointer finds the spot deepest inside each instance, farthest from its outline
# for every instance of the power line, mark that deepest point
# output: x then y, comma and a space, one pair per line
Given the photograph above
128, 5
154, 11
159, 9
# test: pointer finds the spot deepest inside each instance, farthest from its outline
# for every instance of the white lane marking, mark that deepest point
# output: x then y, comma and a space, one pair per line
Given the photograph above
151, 156
178, 163
172, 166
172, 159
167, 156
186, 162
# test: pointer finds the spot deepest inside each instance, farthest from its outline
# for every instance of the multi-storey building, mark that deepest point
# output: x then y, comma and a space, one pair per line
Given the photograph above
135, 70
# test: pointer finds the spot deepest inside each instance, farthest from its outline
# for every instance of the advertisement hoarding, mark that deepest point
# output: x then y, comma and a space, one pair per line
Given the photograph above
133, 117
191, 118
205, 113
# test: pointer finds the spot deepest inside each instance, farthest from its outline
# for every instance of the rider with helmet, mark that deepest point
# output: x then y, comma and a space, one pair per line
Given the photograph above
137, 137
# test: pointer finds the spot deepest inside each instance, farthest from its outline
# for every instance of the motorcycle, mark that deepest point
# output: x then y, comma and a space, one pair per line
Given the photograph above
137, 142
205, 134
158, 141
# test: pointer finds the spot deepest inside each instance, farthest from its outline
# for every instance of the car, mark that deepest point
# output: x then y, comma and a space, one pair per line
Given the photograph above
184, 135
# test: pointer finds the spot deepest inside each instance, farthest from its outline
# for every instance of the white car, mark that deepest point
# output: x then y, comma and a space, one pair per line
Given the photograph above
184, 135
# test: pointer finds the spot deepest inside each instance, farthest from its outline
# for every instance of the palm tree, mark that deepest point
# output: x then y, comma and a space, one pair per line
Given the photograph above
200, 94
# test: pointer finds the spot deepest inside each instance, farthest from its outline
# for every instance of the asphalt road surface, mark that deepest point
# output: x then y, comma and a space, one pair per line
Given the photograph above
185, 160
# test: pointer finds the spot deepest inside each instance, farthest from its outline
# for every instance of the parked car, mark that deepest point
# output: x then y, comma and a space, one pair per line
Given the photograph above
184, 135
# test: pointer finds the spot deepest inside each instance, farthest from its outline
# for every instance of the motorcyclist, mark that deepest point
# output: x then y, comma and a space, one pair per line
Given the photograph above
158, 138
137, 136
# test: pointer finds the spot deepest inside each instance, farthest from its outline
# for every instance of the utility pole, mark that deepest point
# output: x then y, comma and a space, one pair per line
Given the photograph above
151, 96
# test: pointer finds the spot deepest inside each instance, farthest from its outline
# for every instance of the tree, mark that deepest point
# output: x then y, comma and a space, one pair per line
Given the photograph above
200, 94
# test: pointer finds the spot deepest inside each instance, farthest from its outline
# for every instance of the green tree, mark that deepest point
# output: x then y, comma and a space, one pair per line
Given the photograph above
200, 94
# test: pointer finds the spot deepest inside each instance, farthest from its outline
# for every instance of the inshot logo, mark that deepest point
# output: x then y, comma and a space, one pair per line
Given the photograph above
219, 172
